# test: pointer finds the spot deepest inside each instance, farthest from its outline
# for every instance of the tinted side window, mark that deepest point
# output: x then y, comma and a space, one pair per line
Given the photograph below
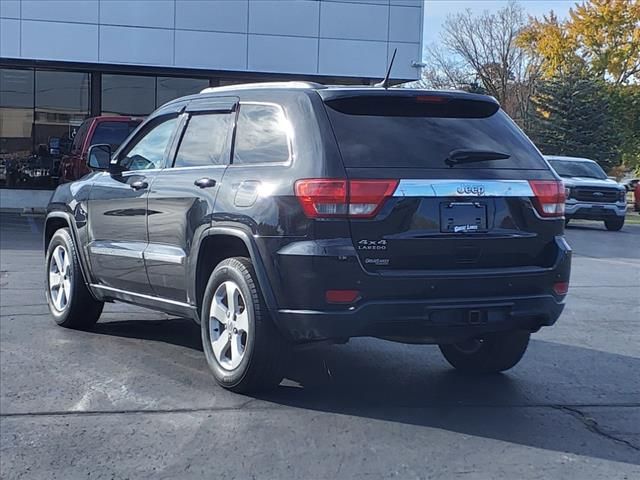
112, 133
204, 141
148, 149
261, 135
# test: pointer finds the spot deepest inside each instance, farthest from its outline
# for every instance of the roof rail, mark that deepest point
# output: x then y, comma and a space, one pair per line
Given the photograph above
260, 85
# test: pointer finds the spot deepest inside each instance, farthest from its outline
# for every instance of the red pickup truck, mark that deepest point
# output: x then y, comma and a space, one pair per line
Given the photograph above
95, 130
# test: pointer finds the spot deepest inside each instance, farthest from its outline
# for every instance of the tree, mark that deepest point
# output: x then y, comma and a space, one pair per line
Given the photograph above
607, 33
572, 116
601, 35
443, 70
548, 41
482, 50
625, 108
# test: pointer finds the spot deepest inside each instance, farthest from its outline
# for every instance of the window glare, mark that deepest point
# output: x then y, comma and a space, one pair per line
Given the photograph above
149, 151
204, 141
261, 135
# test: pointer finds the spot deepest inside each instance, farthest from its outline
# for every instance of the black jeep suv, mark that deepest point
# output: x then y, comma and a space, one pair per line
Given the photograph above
280, 214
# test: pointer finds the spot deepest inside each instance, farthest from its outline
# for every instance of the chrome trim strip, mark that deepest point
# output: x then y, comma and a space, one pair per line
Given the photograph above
164, 253
196, 167
140, 295
164, 257
117, 252
463, 188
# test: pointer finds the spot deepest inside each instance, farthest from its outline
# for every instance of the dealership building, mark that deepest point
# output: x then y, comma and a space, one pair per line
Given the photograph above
62, 61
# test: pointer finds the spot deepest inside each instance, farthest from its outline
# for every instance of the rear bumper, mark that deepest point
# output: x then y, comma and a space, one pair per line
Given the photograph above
595, 211
438, 307
424, 321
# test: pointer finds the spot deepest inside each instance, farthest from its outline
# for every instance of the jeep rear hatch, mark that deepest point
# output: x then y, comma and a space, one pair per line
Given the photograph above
442, 182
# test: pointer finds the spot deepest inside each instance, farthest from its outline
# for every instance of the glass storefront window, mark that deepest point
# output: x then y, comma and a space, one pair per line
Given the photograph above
171, 87
61, 105
16, 123
128, 95
41, 110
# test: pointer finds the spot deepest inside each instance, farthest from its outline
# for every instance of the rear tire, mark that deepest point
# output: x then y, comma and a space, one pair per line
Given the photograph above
492, 354
243, 348
614, 224
68, 297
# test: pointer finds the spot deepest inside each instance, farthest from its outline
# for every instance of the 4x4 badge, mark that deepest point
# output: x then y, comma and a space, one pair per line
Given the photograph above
372, 245
471, 190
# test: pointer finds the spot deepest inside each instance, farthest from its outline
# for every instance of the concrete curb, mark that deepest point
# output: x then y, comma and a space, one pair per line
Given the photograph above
26, 212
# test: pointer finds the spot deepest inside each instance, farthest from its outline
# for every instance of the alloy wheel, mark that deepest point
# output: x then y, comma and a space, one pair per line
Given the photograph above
228, 325
60, 278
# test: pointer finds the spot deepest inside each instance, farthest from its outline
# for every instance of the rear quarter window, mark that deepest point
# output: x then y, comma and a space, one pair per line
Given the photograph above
397, 132
261, 135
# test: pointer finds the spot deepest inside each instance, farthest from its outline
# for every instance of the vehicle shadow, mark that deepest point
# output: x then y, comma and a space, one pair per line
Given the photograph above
175, 331
412, 385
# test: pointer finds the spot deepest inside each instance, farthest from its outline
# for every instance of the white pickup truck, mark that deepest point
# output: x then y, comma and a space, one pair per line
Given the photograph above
590, 195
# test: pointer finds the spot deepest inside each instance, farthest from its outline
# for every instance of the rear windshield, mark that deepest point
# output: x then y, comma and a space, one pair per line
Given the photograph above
407, 132
568, 168
112, 133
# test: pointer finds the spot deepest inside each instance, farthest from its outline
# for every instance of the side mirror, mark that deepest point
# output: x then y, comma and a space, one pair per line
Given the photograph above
99, 157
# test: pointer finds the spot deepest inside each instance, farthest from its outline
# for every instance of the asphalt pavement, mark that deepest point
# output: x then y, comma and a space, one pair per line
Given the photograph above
134, 398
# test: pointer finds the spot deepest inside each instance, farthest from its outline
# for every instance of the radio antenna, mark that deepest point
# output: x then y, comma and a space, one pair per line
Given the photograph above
385, 82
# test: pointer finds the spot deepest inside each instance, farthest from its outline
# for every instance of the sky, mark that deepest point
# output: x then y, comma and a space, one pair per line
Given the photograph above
436, 11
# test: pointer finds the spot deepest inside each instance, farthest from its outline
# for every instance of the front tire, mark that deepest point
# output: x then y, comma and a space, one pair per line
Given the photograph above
68, 297
614, 224
492, 354
243, 349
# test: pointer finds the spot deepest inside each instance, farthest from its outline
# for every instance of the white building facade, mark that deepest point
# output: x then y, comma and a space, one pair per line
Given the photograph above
62, 61
352, 38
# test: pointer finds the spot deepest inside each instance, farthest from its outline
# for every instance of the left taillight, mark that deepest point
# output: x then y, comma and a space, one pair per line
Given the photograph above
549, 197
325, 198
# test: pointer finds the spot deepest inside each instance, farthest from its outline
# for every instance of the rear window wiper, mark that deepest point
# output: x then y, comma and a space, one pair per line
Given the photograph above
457, 157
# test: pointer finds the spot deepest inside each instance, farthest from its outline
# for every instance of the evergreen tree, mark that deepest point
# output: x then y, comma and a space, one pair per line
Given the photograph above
625, 107
572, 116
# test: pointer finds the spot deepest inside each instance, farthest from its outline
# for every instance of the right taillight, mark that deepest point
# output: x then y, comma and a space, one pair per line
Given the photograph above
548, 197
321, 198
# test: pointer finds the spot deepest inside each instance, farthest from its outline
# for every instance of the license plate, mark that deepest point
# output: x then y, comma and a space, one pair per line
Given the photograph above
463, 217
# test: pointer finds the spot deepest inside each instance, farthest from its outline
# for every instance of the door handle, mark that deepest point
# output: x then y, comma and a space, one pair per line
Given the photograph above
139, 185
205, 182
